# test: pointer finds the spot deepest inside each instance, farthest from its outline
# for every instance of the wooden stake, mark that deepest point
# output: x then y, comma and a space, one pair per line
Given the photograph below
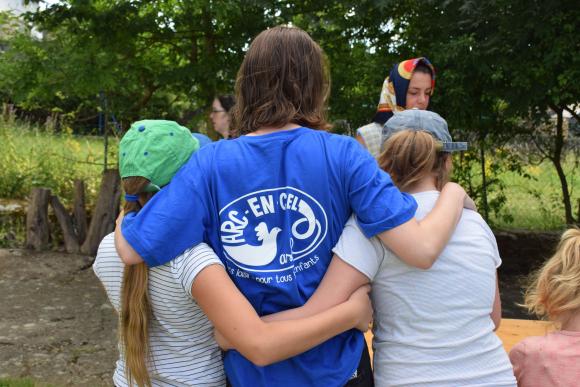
37, 229
106, 211
79, 210
71, 242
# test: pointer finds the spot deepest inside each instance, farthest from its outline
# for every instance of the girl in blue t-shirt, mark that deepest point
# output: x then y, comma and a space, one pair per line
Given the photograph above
273, 202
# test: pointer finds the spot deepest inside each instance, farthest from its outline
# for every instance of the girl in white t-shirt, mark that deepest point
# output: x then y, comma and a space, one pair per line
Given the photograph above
434, 326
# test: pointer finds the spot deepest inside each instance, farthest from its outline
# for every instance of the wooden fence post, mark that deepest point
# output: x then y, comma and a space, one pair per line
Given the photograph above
79, 210
37, 229
71, 242
106, 211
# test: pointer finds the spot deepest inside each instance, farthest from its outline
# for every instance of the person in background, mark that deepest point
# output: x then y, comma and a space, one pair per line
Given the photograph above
554, 293
409, 85
220, 114
201, 138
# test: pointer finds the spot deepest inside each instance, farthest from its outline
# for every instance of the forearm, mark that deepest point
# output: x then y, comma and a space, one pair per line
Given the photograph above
337, 285
264, 343
280, 340
439, 225
420, 243
291, 314
128, 255
496, 311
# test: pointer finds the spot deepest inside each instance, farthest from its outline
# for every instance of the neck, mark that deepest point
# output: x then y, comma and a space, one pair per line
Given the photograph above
271, 129
425, 184
573, 323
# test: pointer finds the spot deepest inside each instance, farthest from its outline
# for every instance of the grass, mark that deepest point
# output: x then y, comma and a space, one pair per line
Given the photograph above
32, 157
536, 203
21, 382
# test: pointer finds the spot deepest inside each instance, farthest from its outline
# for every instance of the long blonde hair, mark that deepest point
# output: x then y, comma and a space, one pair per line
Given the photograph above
135, 306
554, 290
409, 156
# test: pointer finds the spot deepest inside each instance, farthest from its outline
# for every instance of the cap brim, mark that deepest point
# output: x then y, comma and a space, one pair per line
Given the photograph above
454, 146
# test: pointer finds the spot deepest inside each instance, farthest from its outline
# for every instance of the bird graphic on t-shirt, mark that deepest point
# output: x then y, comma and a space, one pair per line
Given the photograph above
257, 255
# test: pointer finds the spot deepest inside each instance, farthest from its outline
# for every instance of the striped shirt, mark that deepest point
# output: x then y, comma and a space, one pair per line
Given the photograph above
183, 350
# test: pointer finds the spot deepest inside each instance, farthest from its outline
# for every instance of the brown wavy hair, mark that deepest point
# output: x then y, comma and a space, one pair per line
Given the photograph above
283, 79
554, 290
135, 306
409, 156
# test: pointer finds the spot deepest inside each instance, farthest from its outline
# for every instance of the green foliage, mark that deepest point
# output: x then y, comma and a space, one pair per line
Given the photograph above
502, 66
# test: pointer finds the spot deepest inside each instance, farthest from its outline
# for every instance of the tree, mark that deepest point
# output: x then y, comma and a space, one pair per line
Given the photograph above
501, 62
542, 37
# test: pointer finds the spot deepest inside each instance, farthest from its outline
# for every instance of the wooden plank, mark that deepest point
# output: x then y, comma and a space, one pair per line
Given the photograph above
510, 332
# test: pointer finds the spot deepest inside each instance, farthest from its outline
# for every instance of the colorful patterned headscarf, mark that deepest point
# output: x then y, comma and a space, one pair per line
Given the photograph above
394, 92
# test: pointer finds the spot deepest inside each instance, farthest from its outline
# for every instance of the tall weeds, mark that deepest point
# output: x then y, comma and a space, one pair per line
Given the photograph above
31, 156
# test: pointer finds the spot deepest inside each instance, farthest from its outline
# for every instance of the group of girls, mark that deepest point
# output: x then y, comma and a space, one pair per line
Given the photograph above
273, 238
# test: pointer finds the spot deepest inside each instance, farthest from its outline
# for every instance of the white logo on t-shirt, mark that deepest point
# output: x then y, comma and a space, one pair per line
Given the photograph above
269, 230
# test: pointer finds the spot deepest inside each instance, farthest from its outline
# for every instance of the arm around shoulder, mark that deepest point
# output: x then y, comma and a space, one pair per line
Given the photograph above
261, 342
420, 243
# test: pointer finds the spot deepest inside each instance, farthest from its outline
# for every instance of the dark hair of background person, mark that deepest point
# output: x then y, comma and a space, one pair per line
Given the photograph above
423, 68
227, 101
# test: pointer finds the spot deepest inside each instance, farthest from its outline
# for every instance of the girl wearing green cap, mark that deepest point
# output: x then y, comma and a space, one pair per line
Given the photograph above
273, 202
165, 338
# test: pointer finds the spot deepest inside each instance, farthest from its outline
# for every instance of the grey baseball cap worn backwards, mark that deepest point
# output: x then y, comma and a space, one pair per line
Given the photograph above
423, 120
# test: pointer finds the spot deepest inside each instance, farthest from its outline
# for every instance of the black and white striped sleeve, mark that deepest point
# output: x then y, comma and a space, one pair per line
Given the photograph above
188, 265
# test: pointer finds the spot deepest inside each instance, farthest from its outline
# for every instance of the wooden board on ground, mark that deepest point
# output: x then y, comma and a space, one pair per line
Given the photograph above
510, 332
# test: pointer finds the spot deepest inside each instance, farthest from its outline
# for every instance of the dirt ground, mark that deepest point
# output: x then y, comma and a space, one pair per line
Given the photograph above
57, 327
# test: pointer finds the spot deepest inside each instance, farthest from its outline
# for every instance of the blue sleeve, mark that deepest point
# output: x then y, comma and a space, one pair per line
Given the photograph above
174, 219
374, 198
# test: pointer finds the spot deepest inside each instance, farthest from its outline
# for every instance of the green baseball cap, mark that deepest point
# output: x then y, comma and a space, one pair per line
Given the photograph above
155, 150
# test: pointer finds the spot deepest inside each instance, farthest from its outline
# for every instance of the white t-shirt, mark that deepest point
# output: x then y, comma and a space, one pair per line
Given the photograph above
433, 327
183, 350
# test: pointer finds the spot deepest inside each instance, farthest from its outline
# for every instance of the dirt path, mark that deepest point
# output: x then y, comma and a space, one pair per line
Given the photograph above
56, 325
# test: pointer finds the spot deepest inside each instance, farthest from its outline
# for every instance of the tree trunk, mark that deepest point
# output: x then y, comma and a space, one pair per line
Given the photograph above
79, 210
106, 211
71, 242
482, 136
37, 229
557, 161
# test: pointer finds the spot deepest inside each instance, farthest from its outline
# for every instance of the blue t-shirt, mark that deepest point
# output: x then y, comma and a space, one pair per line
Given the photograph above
272, 207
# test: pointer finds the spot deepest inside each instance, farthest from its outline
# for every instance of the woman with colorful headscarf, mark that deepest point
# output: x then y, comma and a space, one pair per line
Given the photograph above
409, 85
